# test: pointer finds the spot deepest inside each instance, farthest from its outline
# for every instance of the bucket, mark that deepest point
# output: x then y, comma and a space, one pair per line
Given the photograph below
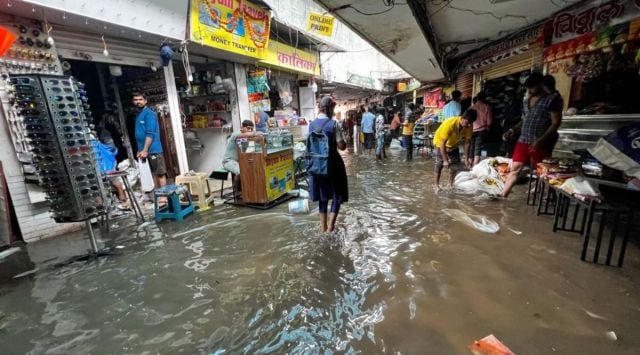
300, 206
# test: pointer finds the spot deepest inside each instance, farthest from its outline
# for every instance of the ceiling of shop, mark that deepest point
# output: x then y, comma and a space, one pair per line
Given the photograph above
395, 33
477, 22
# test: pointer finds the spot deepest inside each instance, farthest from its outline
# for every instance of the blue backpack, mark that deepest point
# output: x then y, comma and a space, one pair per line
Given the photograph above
318, 147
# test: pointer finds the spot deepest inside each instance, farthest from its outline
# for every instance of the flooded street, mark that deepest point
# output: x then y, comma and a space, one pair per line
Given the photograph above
400, 277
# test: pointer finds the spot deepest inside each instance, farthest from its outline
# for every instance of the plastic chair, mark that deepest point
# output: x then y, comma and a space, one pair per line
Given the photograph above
198, 185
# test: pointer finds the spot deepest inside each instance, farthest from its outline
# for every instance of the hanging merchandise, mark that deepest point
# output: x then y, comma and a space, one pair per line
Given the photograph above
53, 113
258, 90
31, 52
284, 90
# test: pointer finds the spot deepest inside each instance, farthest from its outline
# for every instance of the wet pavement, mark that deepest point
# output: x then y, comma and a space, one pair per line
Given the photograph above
400, 277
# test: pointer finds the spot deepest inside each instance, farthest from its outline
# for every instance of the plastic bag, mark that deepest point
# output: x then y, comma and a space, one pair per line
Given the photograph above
395, 144
132, 171
146, 179
581, 186
489, 345
491, 185
479, 222
105, 156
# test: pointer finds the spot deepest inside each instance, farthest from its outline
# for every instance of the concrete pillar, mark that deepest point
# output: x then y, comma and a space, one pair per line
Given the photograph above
176, 118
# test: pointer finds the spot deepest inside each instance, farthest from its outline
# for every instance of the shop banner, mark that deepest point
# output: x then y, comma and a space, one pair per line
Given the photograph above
320, 24
360, 80
279, 171
290, 58
603, 38
236, 26
590, 17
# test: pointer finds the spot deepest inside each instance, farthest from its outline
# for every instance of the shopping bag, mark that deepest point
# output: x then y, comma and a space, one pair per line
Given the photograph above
146, 179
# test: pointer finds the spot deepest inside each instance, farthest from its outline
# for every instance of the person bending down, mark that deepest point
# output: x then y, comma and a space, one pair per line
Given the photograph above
332, 186
446, 140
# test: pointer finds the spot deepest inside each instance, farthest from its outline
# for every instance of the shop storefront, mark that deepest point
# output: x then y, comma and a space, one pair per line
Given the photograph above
500, 71
68, 90
594, 55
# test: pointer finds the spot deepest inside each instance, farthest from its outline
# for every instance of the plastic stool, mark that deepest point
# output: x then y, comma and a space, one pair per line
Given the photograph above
222, 174
198, 185
174, 209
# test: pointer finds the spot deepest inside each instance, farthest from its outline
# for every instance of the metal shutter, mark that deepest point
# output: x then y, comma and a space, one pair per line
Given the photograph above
88, 46
464, 84
532, 59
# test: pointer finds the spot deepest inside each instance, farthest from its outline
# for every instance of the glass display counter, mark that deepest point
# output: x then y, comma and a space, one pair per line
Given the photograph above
266, 166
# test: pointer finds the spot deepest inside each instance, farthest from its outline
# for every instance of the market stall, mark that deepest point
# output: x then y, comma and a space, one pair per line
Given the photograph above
266, 168
597, 69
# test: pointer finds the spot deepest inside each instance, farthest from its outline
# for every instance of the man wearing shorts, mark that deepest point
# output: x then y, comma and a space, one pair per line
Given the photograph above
542, 118
480, 127
148, 139
368, 128
230, 159
446, 140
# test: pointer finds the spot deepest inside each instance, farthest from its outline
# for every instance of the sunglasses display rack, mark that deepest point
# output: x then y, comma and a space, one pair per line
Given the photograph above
56, 119
33, 52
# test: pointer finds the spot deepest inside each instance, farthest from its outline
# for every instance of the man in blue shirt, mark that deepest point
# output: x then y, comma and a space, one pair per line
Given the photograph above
148, 139
453, 108
261, 122
368, 126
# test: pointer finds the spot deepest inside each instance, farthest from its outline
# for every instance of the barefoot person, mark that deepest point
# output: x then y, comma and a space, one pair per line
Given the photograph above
331, 186
446, 140
538, 131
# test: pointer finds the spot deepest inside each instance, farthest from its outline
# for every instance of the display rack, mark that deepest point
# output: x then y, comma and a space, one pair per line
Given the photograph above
56, 123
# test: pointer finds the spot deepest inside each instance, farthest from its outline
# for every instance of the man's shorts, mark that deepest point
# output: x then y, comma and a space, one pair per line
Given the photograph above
232, 166
478, 141
521, 154
156, 163
454, 159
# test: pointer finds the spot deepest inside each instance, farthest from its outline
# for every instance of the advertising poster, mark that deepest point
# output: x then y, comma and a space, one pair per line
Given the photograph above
320, 24
287, 57
231, 25
280, 176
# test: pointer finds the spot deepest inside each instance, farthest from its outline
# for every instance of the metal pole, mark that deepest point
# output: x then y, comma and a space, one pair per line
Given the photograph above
176, 118
92, 237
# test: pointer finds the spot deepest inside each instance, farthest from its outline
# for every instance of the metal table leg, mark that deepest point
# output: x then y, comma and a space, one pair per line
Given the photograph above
623, 248
596, 253
587, 230
134, 203
612, 239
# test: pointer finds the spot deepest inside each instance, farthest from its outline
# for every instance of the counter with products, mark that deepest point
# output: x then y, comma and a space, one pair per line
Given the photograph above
266, 167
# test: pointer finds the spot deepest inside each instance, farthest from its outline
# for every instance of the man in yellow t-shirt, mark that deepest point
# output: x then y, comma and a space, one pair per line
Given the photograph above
446, 140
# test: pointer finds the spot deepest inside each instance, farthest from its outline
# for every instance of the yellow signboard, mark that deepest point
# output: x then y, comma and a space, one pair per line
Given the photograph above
280, 174
287, 57
236, 26
320, 24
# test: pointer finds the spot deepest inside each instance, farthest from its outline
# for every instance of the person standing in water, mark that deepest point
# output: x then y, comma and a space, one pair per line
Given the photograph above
332, 186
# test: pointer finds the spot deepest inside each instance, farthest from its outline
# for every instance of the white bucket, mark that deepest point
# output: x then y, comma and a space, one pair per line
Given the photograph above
300, 206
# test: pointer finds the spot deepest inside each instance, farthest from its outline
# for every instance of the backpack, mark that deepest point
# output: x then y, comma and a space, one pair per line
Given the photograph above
318, 148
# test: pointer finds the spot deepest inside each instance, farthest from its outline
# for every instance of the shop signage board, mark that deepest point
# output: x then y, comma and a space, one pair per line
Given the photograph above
592, 16
232, 25
360, 80
604, 37
320, 24
506, 48
279, 171
290, 58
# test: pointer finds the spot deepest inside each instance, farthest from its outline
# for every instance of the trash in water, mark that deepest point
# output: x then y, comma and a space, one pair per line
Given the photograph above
119, 246
479, 222
489, 345
612, 335
26, 273
514, 231
593, 315
300, 206
8, 252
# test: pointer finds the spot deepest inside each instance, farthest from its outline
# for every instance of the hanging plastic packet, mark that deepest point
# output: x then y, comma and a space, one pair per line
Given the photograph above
479, 222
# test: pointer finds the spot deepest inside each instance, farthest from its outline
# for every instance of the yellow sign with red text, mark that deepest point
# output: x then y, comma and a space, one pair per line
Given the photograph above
236, 26
287, 57
320, 24
280, 174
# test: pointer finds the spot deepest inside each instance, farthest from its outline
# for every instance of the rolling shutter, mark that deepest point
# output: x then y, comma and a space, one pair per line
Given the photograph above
464, 84
525, 61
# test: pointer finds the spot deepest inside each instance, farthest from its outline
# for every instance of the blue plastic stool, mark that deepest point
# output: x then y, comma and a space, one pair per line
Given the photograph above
174, 209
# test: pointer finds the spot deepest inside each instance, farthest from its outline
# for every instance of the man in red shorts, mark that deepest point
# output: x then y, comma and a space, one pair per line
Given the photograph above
541, 119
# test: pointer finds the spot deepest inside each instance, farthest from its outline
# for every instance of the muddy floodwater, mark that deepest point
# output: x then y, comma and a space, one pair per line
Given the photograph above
399, 277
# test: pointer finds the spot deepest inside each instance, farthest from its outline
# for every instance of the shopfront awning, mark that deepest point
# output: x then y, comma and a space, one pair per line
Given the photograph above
393, 30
